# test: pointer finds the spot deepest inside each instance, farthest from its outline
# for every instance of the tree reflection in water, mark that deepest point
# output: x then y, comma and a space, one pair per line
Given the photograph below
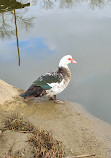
9, 16
49, 4
17, 37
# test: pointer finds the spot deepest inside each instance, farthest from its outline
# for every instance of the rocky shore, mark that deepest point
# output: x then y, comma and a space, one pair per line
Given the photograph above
80, 133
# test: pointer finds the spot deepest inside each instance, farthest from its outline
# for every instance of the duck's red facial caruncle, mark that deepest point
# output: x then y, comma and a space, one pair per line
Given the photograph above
72, 60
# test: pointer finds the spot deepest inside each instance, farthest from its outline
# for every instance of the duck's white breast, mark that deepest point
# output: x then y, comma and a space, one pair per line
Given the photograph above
57, 87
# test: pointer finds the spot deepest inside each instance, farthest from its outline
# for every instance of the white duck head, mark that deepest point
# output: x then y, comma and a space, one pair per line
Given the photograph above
66, 60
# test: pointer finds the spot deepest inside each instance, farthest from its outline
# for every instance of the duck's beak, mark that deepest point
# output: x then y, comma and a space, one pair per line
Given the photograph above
73, 61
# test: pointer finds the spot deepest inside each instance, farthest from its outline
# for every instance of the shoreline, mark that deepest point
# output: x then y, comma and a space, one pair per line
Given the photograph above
80, 132
100, 126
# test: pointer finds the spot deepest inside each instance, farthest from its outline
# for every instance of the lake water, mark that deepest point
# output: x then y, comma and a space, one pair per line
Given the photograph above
33, 39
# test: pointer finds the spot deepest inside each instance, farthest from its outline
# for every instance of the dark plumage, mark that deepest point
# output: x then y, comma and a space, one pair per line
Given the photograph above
34, 91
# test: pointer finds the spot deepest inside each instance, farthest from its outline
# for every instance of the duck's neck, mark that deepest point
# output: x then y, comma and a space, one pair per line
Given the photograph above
65, 72
63, 64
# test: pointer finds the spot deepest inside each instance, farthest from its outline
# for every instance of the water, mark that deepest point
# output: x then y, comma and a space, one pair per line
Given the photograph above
33, 39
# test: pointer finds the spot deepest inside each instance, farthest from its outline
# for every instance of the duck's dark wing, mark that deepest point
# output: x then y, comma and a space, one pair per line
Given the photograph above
45, 80
43, 83
34, 91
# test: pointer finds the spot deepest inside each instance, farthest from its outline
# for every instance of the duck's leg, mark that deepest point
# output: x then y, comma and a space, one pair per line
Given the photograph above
50, 98
57, 100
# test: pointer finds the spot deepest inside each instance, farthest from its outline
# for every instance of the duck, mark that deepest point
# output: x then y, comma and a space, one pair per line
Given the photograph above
52, 83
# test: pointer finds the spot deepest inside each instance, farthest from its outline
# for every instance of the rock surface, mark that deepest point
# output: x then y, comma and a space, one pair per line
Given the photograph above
7, 92
15, 143
74, 128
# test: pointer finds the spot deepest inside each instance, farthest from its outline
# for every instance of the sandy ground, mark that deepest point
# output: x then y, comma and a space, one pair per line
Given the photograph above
80, 132
6, 92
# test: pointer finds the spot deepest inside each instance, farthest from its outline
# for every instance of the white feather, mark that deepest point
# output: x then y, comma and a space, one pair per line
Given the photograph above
57, 87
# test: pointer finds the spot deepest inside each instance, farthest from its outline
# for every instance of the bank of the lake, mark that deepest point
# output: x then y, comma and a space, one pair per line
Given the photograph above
79, 132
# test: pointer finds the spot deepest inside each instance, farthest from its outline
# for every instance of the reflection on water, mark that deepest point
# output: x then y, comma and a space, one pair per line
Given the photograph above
17, 36
6, 29
9, 5
97, 3
49, 4
7, 11
50, 29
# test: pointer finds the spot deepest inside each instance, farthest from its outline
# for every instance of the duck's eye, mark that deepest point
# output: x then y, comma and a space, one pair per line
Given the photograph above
69, 59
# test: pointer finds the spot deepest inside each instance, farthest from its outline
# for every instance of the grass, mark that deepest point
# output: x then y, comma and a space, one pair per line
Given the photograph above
45, 146
43, 143
14, 122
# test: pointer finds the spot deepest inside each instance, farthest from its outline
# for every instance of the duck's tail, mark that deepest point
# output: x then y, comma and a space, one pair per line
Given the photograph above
34, 91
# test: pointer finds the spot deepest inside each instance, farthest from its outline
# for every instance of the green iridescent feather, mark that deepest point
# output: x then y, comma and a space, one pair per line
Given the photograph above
48, 78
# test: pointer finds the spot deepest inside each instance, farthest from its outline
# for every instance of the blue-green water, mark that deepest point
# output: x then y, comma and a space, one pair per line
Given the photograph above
44, 32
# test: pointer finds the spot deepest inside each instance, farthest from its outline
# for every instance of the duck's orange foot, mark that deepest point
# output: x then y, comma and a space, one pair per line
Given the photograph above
58, 101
